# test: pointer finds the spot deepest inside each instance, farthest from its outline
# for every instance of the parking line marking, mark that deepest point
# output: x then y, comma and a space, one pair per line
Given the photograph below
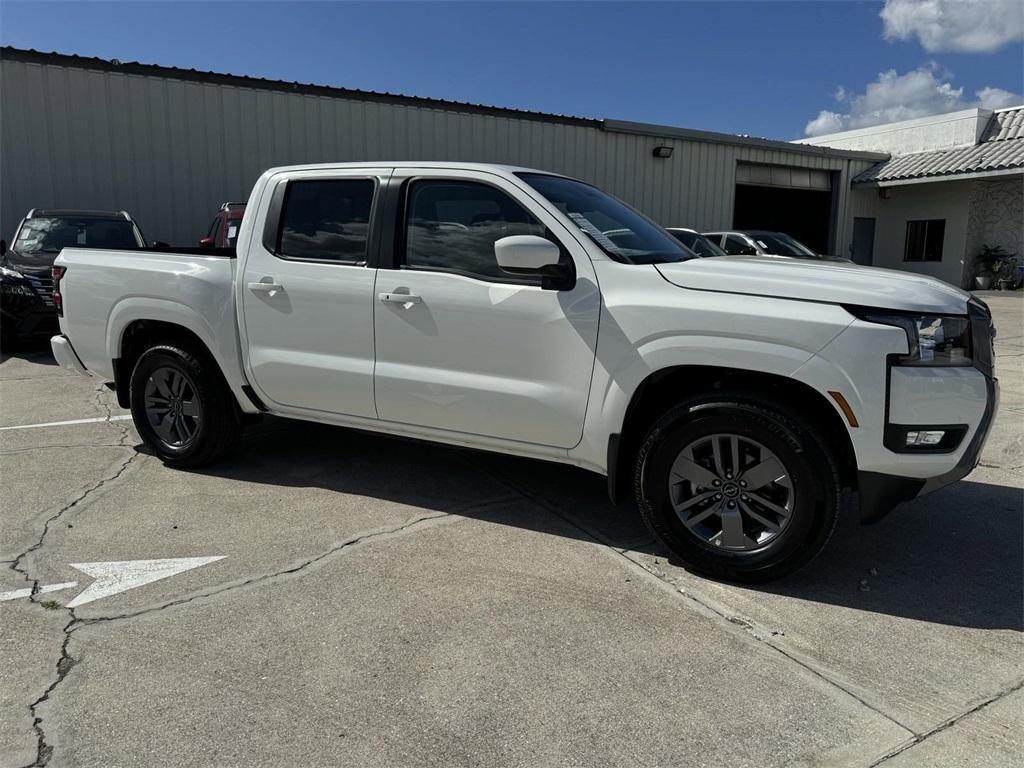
15, 594
123, 417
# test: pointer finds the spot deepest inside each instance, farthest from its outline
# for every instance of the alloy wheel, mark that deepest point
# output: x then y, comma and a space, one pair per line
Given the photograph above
172, 406
731, 491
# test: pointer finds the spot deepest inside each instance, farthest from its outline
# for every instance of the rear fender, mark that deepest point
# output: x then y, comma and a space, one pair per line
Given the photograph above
222, 345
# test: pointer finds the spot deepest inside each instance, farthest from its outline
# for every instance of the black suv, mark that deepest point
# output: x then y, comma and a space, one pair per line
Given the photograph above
26, 285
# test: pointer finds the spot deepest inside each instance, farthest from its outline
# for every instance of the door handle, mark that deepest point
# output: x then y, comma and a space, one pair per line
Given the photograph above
405, 299
268, 288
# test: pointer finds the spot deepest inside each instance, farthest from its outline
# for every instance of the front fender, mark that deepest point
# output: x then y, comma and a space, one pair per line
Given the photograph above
649, 327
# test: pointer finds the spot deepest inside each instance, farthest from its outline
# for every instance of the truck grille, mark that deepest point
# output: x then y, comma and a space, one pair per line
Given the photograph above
43, 286
983, 335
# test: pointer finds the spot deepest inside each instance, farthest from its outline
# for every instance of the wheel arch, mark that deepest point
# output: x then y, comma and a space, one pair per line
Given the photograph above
140, 334
662, 389
145, 318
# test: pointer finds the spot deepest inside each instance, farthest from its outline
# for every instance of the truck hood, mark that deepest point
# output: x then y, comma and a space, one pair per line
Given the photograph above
30, 263
832, 282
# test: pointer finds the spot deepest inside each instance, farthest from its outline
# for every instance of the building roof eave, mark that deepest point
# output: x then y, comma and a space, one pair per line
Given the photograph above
713, 137
994, 173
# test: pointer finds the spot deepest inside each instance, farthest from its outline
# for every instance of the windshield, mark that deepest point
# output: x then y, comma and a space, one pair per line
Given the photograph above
618, 230
697, 243
779, 244
49, 234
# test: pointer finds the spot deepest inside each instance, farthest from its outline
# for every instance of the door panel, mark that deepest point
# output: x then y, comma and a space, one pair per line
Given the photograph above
488, 358
309, 323
863, 248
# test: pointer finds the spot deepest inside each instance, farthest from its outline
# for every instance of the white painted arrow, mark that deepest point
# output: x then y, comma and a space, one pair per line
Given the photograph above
115, 577
14, 594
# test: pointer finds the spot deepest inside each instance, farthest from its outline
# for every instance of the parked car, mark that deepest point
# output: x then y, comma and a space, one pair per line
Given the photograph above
735, 396
27, 309
759, 242
696, 242
223, 230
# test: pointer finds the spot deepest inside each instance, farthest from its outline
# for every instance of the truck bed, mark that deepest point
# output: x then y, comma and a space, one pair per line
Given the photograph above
105, 291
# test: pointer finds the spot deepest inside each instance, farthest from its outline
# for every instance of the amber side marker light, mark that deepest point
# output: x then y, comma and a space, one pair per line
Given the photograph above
844, 407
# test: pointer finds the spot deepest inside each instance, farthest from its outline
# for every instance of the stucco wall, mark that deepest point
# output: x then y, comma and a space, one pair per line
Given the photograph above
949, 200
997, 215
926, 134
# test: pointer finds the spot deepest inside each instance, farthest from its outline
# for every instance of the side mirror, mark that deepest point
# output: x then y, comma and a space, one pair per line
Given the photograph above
3, 247
532, 255
525, 253
206, 242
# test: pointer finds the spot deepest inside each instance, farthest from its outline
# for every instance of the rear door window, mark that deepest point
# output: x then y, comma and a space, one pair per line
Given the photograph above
326, 220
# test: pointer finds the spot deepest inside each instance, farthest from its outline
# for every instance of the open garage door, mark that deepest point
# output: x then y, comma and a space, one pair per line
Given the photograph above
797, 201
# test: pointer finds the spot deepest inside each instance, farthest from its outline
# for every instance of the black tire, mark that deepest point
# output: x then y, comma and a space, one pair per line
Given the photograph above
810, 488
214, 428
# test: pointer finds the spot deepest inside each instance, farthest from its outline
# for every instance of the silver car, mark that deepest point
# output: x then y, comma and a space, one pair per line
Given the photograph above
758, 242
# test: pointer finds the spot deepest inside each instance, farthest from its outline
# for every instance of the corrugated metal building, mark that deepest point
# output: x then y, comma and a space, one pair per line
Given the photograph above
170, 145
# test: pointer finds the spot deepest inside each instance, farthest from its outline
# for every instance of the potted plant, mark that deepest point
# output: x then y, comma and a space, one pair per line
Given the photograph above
987, 264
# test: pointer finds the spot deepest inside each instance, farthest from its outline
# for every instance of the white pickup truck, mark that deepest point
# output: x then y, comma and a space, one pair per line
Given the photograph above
527, 313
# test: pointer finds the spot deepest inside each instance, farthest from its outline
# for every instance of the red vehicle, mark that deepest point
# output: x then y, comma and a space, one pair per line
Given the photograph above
224, 228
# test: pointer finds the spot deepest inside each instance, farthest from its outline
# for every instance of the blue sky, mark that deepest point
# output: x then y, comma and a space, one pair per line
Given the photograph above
762, 68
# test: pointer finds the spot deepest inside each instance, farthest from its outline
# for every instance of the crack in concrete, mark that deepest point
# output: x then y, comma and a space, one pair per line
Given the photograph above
988, 465
29, 449
44, 750
947, 724
33, 378
742, 625
358, 539
64, 664
16, 565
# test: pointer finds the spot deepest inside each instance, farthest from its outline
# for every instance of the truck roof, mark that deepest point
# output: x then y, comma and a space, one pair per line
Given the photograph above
490, 167
82, 214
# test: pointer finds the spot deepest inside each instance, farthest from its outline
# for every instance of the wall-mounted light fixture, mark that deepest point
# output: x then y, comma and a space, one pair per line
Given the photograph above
663, 152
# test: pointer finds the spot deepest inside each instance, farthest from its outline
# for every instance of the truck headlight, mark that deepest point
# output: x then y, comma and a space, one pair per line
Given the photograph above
932, 339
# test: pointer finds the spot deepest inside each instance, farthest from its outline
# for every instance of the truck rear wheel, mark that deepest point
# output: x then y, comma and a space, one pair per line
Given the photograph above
182, 407
737, 487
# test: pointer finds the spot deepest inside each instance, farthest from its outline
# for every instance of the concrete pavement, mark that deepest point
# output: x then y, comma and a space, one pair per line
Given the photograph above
386, 602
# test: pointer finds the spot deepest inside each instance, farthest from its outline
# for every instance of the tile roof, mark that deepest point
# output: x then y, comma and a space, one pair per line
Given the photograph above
1005, 124
1001, 148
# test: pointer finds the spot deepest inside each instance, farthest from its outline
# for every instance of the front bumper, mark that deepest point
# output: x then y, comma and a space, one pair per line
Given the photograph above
880, 493
26, 306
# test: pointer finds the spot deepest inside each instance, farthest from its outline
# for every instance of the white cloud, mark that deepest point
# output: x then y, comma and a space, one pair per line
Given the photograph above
825, 122
964, 26
997, 98
893, 97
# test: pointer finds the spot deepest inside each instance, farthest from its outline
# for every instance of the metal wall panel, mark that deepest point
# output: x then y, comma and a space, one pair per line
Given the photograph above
171, 150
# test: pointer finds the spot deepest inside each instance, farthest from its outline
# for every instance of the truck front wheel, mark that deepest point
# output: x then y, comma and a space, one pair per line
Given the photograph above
181, 406
737, 487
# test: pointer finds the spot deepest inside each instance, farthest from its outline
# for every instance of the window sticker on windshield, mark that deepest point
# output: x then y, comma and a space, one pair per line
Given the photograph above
232, 231
599, 237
